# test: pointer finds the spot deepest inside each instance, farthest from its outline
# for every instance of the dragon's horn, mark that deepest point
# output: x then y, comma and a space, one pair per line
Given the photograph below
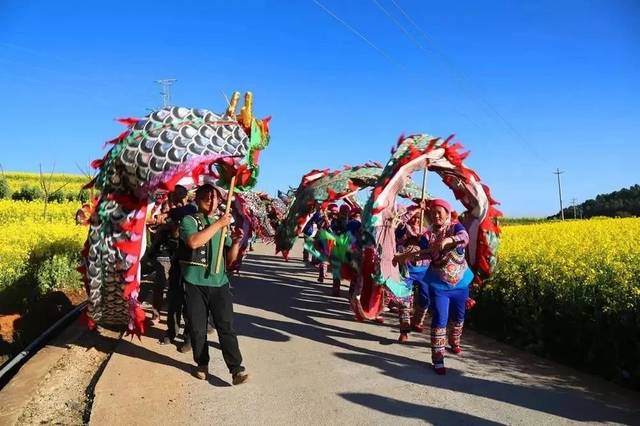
247, 110
231, 109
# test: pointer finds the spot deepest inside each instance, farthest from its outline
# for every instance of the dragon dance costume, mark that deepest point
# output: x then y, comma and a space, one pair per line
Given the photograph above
170, 146
380, 270
321, 188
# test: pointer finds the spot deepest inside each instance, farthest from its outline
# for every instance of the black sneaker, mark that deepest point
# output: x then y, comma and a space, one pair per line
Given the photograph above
186, 347
201, 372
166, 340
240, 377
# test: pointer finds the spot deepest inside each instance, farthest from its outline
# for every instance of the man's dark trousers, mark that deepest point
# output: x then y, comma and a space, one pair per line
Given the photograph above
218, 301
176, 309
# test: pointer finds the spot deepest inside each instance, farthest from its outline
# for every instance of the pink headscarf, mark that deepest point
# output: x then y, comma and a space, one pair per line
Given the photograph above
442, 203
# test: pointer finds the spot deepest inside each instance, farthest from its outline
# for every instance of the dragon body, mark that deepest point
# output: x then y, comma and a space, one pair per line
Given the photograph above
321, 187
411, 154
170, 146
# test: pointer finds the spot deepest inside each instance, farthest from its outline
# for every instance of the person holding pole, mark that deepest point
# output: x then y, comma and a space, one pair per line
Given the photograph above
446, 282
206, 282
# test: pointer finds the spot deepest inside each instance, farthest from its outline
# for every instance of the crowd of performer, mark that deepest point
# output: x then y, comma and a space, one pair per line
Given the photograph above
430, 251
182, 255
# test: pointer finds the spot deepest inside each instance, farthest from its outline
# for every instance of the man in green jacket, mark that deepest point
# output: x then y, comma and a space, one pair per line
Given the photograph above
207, 292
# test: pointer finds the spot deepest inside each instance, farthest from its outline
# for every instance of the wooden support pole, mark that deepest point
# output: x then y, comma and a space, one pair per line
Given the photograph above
424, 188
223, 236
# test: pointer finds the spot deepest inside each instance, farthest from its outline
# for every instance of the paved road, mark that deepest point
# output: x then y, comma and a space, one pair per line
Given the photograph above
312, 364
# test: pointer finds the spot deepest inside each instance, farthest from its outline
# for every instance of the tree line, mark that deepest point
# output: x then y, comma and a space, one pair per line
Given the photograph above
622, 203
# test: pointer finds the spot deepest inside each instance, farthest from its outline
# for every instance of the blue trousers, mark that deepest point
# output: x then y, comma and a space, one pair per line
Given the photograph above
416, 277
445, 302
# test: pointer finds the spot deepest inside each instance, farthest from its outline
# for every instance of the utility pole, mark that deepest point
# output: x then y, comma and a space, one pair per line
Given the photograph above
558, 173
573, 203
166, 90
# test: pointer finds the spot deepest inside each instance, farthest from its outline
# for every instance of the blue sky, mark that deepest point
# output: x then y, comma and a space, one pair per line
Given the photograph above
526, 86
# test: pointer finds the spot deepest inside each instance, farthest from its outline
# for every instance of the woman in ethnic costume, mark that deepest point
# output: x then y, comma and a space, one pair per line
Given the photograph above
446, 282
328, 215
411, 313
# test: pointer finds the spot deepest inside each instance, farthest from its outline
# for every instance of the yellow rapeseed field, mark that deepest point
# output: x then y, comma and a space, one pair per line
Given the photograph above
72, 183
33, 211
27, 237
589, 252
570, 291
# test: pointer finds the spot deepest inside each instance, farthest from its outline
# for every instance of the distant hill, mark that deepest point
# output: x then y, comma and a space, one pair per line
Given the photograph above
622, 203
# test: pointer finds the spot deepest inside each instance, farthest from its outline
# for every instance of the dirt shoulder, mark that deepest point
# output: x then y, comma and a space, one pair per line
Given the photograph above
19, 326
56, 385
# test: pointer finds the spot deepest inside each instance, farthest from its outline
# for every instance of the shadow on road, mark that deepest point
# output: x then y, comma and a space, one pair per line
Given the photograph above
567, 403
436, 416
282, 288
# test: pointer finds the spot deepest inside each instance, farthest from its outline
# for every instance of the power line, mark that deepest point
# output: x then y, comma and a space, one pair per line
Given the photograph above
398, 24
558, 173
166, 90
377, 49
417, 43
358, 33
466, 84
449, 64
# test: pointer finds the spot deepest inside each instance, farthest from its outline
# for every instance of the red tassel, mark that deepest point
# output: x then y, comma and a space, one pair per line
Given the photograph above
470, 303
243, 175
127, 121
451, 136
128, 289
132, 271
487, 192
196, 172
118, 139
85, 319
432, 143
90, 184
138, 324
314, 175
96, 164
139, 319
265, 122
127, 201
128, 226
255, 157
129, 247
